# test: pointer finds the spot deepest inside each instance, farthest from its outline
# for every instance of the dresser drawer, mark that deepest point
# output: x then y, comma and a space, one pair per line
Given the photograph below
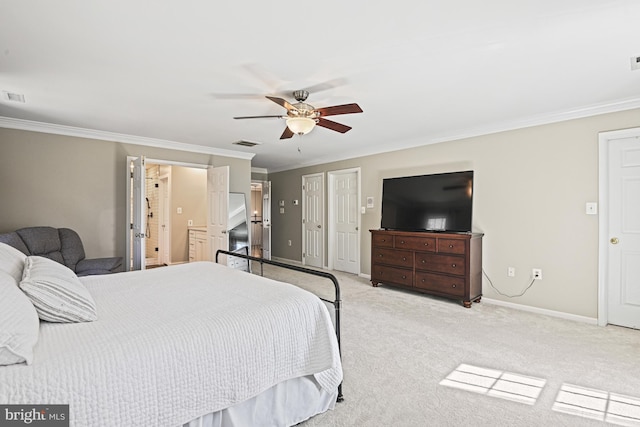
392, 256
384, 274
451, 246
440, 263
424, 244
382, 240
438, 283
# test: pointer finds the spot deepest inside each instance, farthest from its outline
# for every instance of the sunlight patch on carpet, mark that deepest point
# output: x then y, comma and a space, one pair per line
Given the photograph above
495, 383
598, 405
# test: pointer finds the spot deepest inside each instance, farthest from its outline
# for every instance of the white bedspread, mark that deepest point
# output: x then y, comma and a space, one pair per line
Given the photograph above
171, 344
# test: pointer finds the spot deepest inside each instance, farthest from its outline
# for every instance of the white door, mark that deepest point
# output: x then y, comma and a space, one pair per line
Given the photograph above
139, 220
346, 221
218, 212
312, 220
624, 233
266, 220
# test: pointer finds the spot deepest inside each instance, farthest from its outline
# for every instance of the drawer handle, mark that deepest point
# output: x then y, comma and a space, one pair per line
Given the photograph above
426, 244
423, 280
423, 261
453, 265
453, 286
450, 246
404, 258
380, 255
384, 240
404, 277
402, 242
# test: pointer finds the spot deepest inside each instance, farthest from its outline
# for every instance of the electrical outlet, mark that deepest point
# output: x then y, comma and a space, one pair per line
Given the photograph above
511, 272
536, 273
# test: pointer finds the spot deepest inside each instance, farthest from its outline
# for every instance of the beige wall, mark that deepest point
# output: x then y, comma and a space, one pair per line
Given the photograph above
80, 183
530, 190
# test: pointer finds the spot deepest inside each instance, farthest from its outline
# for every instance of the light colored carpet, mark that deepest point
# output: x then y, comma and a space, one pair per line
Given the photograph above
397, 347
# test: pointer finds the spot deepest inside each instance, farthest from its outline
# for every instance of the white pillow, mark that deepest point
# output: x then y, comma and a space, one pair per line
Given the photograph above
56, 292
19, 324
11, 261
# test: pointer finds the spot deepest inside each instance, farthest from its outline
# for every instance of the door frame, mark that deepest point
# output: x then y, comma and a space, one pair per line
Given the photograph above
604, 138
129, 197
331, 229
164, 210
265, 226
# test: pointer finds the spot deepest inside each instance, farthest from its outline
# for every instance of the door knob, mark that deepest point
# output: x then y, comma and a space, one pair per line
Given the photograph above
614, 241
319, 226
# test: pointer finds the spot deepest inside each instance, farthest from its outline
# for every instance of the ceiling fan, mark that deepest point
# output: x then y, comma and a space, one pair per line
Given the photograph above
302, 118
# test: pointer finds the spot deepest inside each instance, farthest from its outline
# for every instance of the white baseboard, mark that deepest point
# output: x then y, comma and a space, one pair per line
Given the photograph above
544, 311
553, 313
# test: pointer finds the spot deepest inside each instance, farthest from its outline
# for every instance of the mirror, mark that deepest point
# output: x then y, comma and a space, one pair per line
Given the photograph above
238, 230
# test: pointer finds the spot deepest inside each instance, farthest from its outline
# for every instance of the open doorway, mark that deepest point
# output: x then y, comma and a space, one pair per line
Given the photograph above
173, 204
176, 202
260, 209
158, 202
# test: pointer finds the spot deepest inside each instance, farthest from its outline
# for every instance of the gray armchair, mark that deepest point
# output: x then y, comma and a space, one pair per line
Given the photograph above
62, 245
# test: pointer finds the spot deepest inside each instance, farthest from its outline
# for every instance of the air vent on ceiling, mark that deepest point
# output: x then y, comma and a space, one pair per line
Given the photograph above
10, 96
635, 62
246, 143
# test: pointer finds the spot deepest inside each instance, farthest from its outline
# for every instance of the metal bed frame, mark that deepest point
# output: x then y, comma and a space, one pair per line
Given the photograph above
337, 302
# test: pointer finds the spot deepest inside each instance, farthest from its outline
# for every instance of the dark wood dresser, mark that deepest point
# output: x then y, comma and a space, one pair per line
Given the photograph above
444, 264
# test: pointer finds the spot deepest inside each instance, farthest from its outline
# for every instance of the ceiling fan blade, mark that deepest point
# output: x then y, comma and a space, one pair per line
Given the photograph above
330, 124
258, 117
236, 95
281, 102
339, 109
286, 134
326, 85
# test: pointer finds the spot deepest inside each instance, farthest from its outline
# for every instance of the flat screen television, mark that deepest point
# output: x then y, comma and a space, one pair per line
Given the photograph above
438, 202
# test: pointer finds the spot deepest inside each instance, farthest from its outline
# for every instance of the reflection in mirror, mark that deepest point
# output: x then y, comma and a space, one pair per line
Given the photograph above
238, 230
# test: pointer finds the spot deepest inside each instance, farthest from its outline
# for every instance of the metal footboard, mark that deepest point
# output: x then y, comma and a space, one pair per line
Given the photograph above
337, 302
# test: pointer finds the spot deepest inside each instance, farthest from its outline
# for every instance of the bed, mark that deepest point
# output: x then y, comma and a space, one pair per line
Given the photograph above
196, 344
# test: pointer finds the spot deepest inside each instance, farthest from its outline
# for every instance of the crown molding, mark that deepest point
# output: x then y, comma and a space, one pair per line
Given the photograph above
259, 170
538, 120
29, 125
545, 119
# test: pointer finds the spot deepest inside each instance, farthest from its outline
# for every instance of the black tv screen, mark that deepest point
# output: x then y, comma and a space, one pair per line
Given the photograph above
438, 202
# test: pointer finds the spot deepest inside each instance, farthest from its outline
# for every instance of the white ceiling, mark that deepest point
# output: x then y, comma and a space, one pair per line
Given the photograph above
423, 71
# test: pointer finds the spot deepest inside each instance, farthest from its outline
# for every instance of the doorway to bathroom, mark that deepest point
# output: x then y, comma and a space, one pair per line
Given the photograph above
176, 203
260, 209
170, 203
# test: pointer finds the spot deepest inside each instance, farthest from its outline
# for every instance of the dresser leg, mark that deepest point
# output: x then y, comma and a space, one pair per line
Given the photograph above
477, 299
467, 304
375, 284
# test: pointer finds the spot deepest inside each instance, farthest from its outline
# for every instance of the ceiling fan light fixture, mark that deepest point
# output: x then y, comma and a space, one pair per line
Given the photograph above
300, 125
